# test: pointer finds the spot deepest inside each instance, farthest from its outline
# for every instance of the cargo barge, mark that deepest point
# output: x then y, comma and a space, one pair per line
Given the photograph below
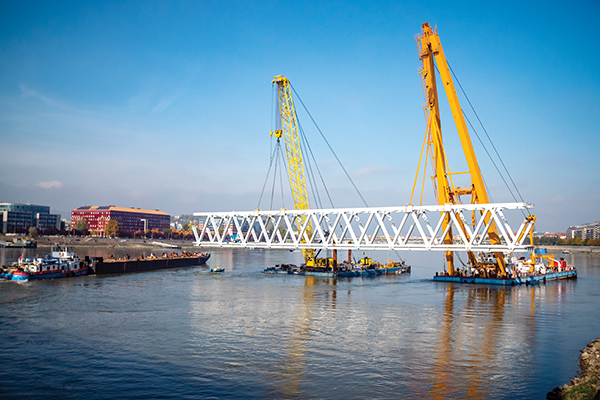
100, 266
19, 243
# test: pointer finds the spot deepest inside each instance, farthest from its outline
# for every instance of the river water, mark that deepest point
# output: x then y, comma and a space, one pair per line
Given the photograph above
187, 333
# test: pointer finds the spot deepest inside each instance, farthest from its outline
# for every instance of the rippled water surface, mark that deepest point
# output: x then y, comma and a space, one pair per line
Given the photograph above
187, 333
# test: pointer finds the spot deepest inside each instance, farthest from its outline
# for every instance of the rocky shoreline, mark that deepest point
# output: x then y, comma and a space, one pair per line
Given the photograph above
587, 385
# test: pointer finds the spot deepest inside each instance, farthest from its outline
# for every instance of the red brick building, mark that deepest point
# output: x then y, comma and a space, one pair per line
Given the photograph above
130, 219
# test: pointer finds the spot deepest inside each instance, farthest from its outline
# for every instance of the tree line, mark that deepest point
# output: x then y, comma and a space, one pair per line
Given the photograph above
113, 229
557, 241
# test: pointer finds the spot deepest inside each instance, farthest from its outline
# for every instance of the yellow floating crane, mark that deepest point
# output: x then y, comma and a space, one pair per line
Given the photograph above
290, 132
432, 54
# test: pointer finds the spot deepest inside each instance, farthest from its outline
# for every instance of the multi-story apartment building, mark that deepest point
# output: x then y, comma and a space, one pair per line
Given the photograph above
585, 231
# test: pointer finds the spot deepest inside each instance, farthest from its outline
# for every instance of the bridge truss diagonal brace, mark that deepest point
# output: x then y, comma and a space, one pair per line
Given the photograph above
372, 228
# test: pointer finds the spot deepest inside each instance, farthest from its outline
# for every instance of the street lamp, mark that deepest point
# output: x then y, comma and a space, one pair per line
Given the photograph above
145, 224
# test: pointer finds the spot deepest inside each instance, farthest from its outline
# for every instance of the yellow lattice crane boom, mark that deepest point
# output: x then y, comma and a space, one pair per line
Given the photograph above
430, 50
291, 134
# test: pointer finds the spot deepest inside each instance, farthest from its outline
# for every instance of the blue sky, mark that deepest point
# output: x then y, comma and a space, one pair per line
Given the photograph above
168, 104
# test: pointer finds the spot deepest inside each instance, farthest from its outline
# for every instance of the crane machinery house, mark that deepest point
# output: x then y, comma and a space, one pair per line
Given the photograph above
129, 218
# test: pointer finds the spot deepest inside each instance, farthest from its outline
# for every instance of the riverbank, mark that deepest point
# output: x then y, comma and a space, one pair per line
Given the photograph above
75, 241
587, 385
574, 249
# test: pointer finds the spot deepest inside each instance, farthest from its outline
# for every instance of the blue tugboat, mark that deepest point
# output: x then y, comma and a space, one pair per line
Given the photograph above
18, 276
61, 264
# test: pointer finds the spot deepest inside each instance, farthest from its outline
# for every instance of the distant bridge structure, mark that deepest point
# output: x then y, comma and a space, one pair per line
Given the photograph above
370, 228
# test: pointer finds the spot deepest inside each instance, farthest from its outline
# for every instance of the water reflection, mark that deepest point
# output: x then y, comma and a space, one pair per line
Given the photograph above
442, 367
464, 332
477, 339
243, 334
292, 370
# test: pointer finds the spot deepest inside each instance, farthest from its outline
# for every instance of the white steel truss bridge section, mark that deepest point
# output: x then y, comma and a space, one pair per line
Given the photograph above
373, 228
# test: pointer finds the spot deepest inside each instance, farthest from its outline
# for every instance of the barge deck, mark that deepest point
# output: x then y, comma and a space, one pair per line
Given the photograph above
524, 280
99, 266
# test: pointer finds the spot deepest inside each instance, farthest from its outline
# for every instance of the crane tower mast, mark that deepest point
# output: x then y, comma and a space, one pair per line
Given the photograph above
430, 50
291, 134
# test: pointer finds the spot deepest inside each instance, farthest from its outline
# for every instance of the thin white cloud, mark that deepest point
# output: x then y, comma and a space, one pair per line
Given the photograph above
50, 184
371, 170
163, 104
27, 93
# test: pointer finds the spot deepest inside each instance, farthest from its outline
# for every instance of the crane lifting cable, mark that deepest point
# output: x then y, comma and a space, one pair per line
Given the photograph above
491, 142
508, 187
311, 168
310, 171
330, 148
276, 159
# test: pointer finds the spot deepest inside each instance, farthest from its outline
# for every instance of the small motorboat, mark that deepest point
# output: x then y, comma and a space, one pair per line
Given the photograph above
217, 270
